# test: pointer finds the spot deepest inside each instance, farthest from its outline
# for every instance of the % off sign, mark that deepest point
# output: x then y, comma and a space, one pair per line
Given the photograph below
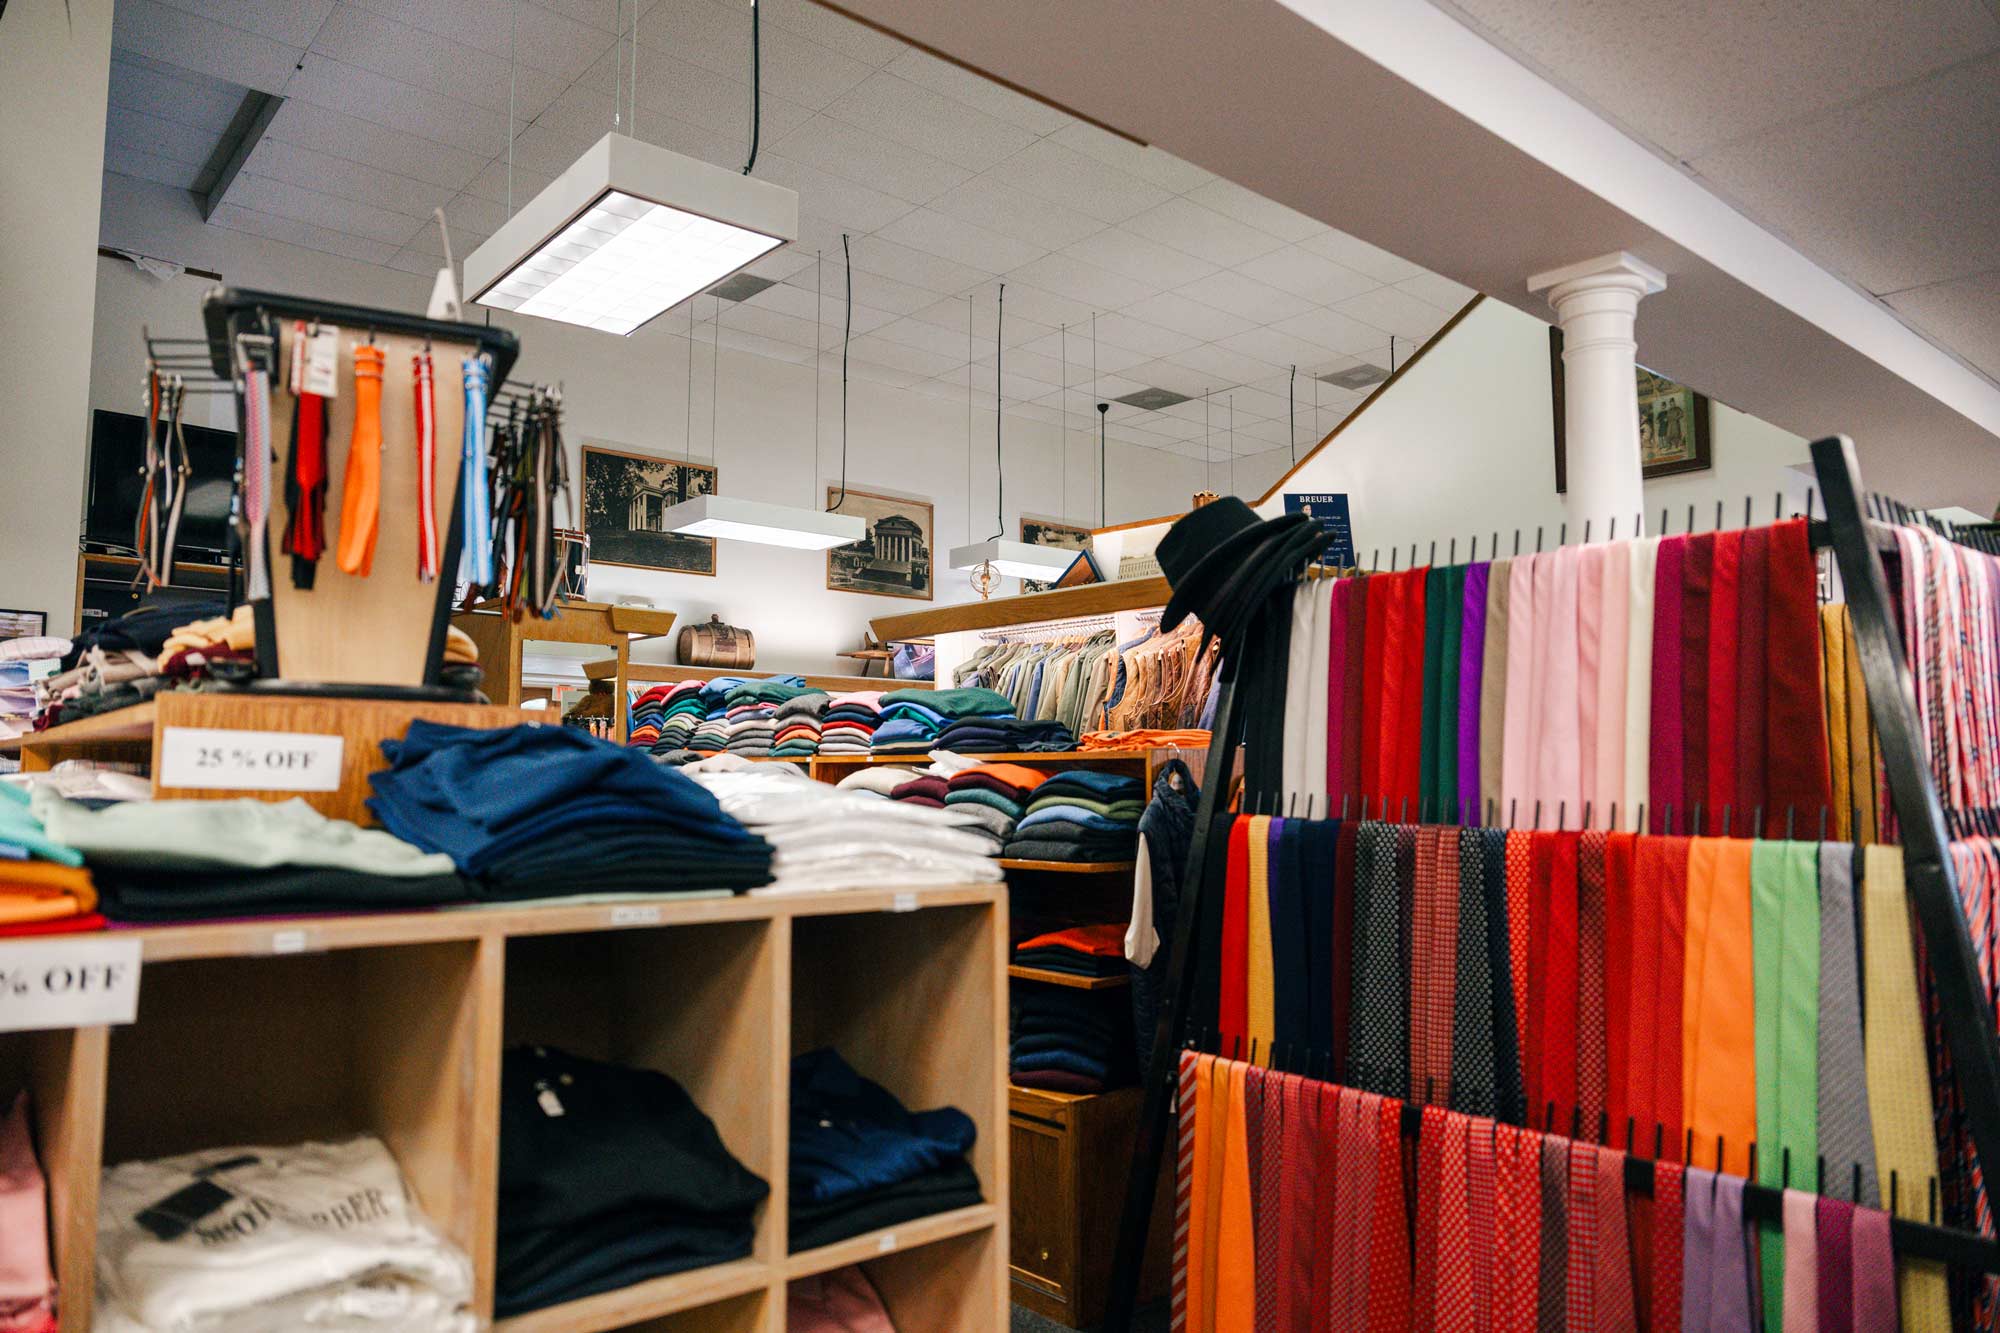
223, 759
83, 981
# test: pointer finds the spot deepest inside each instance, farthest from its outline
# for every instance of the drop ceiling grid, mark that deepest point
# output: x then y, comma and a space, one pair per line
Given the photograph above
946, 184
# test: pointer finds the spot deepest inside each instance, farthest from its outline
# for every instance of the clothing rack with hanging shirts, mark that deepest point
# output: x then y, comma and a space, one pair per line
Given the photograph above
1858, 545
380, 632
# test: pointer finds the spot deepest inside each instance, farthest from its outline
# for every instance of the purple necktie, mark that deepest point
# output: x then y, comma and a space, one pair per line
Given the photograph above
1716, 1298
1471, 671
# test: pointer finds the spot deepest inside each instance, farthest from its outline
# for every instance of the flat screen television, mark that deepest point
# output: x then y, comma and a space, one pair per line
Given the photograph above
116, 482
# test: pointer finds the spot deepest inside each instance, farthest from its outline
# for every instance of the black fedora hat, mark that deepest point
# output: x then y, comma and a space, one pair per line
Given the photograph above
1222, 560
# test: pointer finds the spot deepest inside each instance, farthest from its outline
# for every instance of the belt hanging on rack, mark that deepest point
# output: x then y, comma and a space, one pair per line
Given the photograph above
478, 517
175, 469
361, 499
257, 467
427, 535
305, 472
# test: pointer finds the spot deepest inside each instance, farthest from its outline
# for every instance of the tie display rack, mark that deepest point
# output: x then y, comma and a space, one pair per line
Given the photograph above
380, 635
1856, 532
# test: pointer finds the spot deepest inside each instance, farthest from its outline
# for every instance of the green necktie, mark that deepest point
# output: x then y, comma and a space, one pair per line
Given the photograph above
1784, 928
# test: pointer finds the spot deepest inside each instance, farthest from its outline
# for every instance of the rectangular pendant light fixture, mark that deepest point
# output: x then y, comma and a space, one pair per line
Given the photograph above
1014, 560
628, 232
754, 521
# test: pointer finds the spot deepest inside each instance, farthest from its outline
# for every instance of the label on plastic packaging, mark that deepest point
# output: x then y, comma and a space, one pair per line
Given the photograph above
223, 759
70, 982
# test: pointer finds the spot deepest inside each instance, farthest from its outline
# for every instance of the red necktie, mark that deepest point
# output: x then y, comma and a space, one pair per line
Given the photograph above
1695, 591
1592, 1057
1752, 657
1724, 574
1354, 1210
1794, 712
1666, 1219
1667, 746
1580, 1285
1454, 1265
1389, 1234
1482, 1220
1328, 1164
1183, 1192
1519, 852
1620, 929
1615, 1312
1376, 592
427, 533
1273, 1247
1430, 1191
1296, 1203
1234, 1011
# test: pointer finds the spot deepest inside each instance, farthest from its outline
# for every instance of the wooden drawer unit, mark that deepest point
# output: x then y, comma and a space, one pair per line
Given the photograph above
1071, 1156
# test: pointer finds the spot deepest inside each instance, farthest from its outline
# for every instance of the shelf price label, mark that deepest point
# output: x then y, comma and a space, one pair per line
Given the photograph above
72, 982
224, 759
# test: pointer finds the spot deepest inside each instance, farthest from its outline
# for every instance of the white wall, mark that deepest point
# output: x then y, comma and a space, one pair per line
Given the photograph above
55, 63
634, 393
1462, 444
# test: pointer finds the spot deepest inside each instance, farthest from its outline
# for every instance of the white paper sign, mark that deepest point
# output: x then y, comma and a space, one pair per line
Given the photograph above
70, 982
635, 916
323, 362
231, 760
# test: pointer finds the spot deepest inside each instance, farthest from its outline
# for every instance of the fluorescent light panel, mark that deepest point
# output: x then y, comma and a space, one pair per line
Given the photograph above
1014, 560
754, 521
628, 232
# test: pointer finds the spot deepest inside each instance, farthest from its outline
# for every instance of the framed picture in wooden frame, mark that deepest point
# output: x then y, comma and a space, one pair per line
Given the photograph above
625, 496
1675, 423
1051, 532
894, 559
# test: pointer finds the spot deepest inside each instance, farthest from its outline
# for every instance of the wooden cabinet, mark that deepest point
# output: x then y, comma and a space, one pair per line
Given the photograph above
1071, 1157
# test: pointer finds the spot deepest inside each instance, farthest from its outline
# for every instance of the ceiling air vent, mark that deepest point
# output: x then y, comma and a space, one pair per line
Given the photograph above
740, 287
1355, 377
1153, 400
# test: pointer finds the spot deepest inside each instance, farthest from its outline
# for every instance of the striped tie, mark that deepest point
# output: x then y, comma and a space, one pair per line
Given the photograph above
1184, 1110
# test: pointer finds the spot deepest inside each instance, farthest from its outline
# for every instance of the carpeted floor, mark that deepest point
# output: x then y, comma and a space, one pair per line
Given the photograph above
1151, 1320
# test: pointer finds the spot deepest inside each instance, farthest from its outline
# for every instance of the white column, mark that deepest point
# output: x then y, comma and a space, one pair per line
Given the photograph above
1597, 303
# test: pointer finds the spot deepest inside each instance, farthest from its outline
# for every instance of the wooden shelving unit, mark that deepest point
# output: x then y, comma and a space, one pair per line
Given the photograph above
1093, 599
1068, 867
656, 672
1053, 978
501, 640
394, 1025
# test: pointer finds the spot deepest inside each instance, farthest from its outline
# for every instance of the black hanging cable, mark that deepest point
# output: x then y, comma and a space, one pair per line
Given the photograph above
846, 336
999, 461
756, 86
1292, 401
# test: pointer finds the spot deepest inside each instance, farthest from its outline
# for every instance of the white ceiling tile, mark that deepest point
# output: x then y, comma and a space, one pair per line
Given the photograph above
439, 65
874, 254
834, 198
871, 290
964, 242
798, 302
1222, 365
1198, 321
176, 37
975, 90
1029, 305
178, 95
764, 322
1312, 276
1393, 311
1186, 225
1072, 277
304, 234
718, 37
408, 260
382, 147
264, 195
781, 263
1266, 400
1441, 292
1232, 200
835, 31
127, 160
469, 213
1277, 348
1352, 252
879, 374
370, 96
742, 340
922, 361
1896, 191
1173, 375
953, 314
543, 151
1140, 335
1160, 267
805, 71
1049, 368
673, 89
939, 388
1147, 163
1253, 300
287, 22
1020, 388
1964, 314
1332, 330
846, 150
427, 243
1109, 357
929, 122
348, 180
1016, 213
160, 138
1061, 175
490, 182
1254, 434
913, 332
537, 37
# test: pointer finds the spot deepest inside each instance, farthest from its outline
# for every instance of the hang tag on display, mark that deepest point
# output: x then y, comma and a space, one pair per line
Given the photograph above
218, 758
71, 983
323, 361
635, 916
903, 902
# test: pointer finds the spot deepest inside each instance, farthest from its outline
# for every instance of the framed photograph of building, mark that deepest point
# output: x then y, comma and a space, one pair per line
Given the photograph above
1051, 532
625, 496
894, 559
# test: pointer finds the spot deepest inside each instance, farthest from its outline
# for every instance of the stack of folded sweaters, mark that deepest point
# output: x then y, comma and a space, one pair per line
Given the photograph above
918, 721
1081, 815
44, 888
1063, 1038
529, 812
996, 795
675, 712
848, 726
860, 1161
799, 725
1077, 951
906, 727
246, 1239
987, 734
829, 838
608, 1176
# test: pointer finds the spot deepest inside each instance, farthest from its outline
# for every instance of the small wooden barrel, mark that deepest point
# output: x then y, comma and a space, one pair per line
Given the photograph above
716, 645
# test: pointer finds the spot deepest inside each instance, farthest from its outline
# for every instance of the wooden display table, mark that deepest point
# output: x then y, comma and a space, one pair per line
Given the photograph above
501, 638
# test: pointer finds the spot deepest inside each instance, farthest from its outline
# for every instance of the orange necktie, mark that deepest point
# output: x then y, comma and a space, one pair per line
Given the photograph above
1719, 1042
361, 491
1236, 1245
